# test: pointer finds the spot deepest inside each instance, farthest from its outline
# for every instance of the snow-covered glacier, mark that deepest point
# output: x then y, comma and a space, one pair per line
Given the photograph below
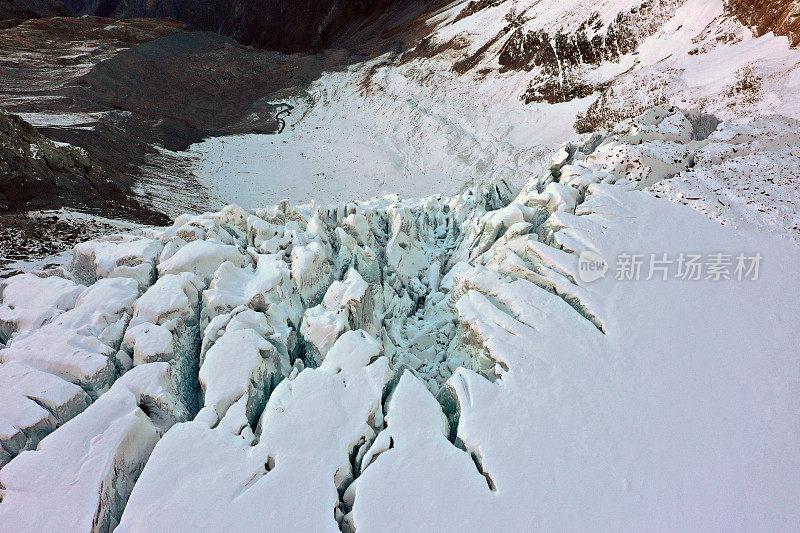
549, 282
491, 90
444, 363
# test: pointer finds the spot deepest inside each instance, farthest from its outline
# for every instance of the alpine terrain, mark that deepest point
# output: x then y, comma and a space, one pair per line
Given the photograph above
486, 265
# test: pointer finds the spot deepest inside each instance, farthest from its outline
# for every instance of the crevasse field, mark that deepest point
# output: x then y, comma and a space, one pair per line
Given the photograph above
465, 317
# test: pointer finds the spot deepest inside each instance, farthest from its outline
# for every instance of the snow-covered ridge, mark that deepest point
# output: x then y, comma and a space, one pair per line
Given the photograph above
301, 366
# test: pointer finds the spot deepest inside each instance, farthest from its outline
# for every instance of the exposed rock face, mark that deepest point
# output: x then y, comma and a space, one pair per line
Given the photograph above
289, 26
591, 43
764, 16
15, 10
41, 174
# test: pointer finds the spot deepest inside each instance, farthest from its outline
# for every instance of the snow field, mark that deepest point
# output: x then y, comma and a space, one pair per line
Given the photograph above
416, 363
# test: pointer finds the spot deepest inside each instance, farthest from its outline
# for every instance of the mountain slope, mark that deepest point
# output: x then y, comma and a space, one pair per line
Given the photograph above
490, 91
288, 26
12, 11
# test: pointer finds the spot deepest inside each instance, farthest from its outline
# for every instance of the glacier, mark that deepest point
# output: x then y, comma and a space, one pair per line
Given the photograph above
436, 363
385, 319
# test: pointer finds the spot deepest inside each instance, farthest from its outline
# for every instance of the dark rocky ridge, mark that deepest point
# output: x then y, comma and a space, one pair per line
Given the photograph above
286, 25
40, 174
44, 54
13, 12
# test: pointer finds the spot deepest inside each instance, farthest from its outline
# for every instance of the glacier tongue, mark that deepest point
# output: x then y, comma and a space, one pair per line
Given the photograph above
393, 363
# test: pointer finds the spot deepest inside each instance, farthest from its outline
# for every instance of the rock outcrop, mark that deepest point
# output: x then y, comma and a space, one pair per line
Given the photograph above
41, 174
764, 16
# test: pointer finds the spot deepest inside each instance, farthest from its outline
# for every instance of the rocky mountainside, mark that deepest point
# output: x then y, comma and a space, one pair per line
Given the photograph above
14, 11
779, 16
38, 58
288, 26
32, 164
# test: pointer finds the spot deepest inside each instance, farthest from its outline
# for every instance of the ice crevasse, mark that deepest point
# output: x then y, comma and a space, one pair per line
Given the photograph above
397, 363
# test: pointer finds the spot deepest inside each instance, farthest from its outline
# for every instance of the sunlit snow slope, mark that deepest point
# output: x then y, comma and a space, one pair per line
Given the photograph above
492, 88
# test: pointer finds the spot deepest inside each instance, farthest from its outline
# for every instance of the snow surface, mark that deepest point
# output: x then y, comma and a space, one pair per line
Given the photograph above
440, 363
418, 127
475, 377
79, 477
29, 301
78, 344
